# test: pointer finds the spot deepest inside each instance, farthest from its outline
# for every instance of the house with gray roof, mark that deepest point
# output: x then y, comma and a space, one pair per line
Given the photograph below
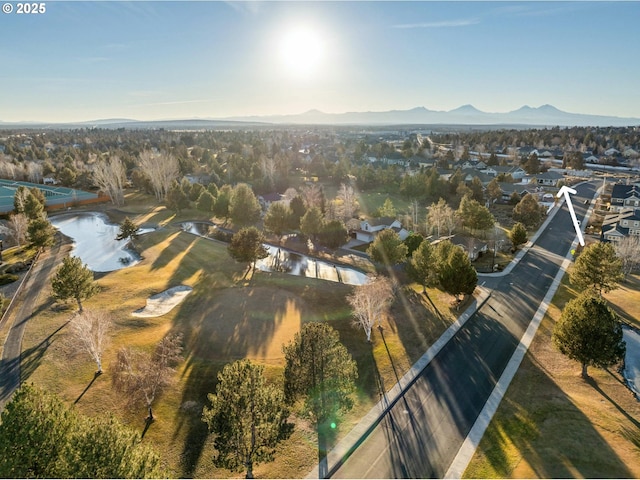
617, 226
624, 197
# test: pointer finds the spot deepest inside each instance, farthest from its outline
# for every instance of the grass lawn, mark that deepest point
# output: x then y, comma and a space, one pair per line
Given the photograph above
553, 424
225, 318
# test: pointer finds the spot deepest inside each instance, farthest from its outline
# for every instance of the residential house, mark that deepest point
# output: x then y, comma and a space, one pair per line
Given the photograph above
521, 189
619, 225
624, 197
468, 174
268, 198
513, 170
611, 152
371, 227
471, 245
548, 179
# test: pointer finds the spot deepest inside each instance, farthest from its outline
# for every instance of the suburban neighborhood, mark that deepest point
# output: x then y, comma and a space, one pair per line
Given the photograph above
410, 257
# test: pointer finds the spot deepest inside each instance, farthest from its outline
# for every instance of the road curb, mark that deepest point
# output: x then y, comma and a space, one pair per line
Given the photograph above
345, 447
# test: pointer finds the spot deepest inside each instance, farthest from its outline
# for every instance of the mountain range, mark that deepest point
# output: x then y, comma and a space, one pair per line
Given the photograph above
543, 116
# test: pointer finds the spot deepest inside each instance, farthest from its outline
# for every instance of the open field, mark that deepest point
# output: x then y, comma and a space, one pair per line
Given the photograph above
553, 424
225, 318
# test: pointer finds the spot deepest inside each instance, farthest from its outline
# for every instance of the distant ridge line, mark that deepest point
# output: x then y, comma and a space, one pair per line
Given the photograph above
465, 115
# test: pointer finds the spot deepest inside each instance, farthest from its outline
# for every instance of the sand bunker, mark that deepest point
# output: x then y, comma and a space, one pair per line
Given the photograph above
163, 302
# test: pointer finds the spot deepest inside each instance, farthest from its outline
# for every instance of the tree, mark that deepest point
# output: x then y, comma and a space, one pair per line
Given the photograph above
40, 232
277, 220
19, 198
128, 229
319, 369
141, 377
597, 268
477, 190
349, 202
474, 215
73, 280
110, 176
19, 224
333, 234
297, 212
441, 217
206, 202
369, 302
387, 248
422, 266
590, 332
89, 332
387, 209
494, 192
221, 208
161, 169
456, 275
412, 242
177, 199
247, 416
247, 246
40, 437
628, 251
34, 204
532, 165
312, 222
528, 211
518, 235
244, 208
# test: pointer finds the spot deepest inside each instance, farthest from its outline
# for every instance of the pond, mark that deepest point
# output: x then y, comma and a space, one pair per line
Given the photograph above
95, 241
631, 370
293, 263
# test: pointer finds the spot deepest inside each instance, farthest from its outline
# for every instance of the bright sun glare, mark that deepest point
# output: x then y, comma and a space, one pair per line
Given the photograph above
301, 52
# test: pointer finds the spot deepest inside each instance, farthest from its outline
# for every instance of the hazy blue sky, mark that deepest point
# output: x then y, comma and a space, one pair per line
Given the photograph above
152, 60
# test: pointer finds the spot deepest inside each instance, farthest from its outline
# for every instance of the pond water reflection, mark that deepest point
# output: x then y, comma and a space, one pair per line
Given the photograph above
95, 241
631, 370
293, 263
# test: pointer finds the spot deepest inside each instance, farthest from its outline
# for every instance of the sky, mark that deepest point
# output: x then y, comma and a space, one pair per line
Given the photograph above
151, 60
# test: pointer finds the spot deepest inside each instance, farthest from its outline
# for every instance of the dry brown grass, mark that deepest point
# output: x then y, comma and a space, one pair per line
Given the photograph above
554, 424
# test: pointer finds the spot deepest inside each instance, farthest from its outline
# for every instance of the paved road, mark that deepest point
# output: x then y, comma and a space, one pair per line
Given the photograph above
423, 431
38, 278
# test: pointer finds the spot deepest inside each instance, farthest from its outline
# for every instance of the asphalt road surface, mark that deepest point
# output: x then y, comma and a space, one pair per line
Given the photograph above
423, 431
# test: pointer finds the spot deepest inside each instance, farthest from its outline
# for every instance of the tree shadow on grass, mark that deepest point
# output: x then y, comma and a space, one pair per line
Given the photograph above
86, 389
220, 326
549, 431
31, 358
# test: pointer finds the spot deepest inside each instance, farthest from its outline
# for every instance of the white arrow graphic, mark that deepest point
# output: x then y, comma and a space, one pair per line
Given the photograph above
566, 191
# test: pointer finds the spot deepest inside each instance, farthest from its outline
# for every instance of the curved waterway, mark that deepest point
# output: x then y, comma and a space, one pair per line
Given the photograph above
94, 241
293, 263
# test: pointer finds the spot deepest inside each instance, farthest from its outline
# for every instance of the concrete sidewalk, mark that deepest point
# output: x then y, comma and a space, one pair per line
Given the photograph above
353, 439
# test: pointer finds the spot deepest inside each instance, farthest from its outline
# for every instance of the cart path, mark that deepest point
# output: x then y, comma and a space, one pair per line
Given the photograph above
28, 298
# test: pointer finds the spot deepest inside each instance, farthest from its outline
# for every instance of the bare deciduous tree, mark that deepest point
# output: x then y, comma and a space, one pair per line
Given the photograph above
110, 176
441, 217
16, 228
349, 202
369, 302
89, 331
34, 172
162, 169
312, 196
628, 250
141, 376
